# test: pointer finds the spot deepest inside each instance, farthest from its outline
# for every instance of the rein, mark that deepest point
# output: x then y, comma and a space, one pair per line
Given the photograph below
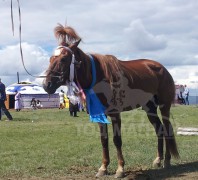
20, 41
21, 50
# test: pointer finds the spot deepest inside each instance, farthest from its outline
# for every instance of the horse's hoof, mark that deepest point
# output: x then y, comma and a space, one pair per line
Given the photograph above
101, 173
119, 175
157, 163
167, 164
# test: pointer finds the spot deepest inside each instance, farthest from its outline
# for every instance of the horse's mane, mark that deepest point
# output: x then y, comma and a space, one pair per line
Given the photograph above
110, 66
66, 35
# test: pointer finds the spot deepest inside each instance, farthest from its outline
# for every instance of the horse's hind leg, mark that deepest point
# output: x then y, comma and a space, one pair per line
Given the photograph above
151, 110
105, 147
116, 123
171, 147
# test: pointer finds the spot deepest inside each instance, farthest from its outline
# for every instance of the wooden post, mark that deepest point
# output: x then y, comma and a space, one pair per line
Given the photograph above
18, 77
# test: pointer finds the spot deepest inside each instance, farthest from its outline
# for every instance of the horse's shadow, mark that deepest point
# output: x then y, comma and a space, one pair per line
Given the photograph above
181, 171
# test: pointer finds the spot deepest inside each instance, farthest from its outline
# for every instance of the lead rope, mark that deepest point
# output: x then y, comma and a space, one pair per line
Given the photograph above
21, 50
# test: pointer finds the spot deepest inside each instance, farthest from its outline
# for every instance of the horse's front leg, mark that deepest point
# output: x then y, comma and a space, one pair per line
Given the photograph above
116, 123
105, 147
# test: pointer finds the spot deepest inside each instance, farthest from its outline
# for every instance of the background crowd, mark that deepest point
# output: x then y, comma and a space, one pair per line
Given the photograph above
182, 94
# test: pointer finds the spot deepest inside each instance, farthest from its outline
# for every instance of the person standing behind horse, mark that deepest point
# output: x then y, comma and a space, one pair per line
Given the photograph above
38, 104
186, 95
73, 105
181, 89
2, 102
18, 103
72, 95
62, 99
33, 103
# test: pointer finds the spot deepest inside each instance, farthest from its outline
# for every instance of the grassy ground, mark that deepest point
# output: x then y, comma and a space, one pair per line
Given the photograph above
49, 144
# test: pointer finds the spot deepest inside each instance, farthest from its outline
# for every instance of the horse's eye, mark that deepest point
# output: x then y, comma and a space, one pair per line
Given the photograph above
52, 59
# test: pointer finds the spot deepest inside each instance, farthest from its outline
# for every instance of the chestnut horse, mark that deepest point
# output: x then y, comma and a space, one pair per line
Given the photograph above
120, 86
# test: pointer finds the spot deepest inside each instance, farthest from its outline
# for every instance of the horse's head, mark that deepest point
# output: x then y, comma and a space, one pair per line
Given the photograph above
58, 72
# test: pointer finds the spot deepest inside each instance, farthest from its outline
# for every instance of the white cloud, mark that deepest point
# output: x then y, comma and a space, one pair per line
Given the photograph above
36, 60
162, 30
139, 38
185, 75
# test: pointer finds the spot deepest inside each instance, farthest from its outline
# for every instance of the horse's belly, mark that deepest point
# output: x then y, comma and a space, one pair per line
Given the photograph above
121, 97
125, 101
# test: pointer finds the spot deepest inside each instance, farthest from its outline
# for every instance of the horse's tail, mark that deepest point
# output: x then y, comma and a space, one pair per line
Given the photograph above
172, 146
167, 98
169, 134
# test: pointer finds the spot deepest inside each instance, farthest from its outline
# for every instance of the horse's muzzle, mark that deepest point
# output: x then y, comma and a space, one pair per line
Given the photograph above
49, 87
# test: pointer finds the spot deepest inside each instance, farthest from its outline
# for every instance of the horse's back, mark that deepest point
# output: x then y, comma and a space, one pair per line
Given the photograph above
143, 65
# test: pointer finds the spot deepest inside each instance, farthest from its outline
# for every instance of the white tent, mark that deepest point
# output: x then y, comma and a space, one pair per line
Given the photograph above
29, 91
23, 88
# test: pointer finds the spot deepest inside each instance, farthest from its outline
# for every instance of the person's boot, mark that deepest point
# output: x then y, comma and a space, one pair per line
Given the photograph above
75, 114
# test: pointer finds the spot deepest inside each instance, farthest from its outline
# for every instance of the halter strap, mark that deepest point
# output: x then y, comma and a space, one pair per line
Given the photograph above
65, 47
72, 69
57, 52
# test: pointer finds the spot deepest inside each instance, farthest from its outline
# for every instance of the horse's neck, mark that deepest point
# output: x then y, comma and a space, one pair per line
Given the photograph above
84, 72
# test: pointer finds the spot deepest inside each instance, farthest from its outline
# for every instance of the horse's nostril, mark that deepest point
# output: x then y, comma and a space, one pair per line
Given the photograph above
49, 84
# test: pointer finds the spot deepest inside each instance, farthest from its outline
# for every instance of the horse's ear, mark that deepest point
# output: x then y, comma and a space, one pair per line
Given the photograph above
74, 46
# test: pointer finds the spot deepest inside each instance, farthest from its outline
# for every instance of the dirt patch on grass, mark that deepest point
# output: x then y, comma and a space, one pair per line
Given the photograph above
179, 172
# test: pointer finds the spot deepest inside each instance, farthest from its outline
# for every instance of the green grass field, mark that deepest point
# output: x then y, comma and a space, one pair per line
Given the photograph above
49, 144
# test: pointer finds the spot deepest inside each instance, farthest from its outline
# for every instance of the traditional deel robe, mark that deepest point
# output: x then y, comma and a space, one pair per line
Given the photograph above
18, 103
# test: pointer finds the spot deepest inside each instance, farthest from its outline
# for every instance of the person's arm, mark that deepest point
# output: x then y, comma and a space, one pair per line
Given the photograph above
3, 93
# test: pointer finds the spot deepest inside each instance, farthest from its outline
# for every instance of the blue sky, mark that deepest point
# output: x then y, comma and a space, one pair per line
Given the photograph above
163, 30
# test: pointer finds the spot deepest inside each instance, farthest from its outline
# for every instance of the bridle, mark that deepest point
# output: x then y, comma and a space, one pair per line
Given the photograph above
72, 74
